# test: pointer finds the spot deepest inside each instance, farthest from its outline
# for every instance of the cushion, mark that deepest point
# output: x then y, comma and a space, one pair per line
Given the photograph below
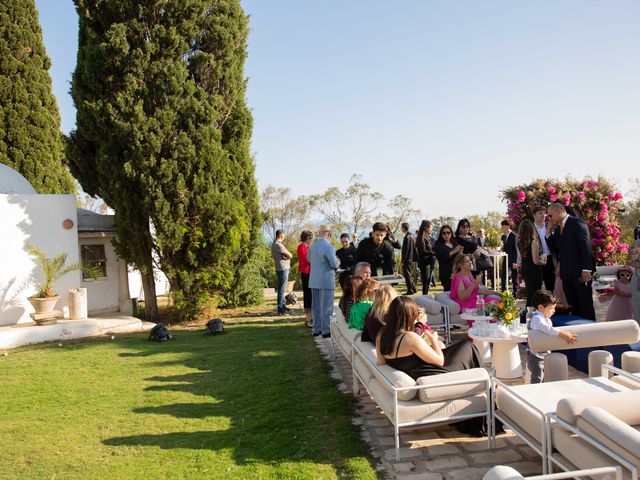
545, 397
622, 404
577, 451
611, 432
502, 472
431, 307
479, 376
589, 335
445, 299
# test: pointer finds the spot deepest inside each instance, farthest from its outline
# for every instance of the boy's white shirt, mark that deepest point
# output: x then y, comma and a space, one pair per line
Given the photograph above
542, 323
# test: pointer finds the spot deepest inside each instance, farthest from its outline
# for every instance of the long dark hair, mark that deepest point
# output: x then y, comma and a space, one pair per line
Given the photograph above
526, 234
401, 315
463, 221
420, 240
441, 238
351, 284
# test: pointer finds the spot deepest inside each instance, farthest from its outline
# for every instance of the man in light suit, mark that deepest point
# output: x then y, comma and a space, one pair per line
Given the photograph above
322, 281
568, 237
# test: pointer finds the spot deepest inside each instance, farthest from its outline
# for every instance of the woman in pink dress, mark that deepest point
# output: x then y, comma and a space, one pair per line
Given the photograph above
621, 306
464, 288
306, 237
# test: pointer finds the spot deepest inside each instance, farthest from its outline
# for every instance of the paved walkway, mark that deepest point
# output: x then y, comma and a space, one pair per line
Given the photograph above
433, 453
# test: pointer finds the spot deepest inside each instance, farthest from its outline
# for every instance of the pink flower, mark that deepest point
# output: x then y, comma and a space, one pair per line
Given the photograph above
553, 197
521, 196
581, 196
567, 199
601, 217
623, 247
552, 189
615, 196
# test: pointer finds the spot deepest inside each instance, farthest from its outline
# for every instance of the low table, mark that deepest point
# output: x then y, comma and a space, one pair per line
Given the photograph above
506, 355
484, 348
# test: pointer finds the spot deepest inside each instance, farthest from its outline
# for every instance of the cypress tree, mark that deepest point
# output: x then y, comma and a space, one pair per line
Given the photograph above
30, 138
163, 136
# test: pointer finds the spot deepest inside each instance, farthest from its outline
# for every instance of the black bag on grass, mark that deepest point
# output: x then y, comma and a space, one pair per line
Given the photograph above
159, 333
215, 326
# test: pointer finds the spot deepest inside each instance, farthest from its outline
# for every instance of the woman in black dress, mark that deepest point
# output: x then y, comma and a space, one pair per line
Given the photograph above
532, 261
400, 347
426, 254
446, 249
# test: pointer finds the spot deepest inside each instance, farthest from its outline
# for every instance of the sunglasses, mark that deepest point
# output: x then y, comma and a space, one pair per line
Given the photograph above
446, 233
625, 274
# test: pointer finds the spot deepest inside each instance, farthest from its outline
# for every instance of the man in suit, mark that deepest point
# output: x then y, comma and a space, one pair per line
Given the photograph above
510, 247
409, 258
568, 237
549, 270
322, 281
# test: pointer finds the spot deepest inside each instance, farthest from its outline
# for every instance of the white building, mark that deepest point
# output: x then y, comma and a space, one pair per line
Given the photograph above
54, 224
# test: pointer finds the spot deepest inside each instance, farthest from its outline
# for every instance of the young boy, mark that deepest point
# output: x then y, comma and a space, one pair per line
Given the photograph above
545, 304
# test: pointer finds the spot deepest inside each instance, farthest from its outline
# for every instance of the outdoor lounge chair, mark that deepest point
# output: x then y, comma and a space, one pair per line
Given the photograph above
503, 472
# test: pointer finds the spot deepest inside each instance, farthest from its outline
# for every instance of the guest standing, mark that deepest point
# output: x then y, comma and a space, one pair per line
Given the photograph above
426, 254
510, 247
621, 306
306, 237
446, 249
322, 281
377, 251
568, 237
409, 257
634, 261
549, 270
346, 254
282, 261
533, 259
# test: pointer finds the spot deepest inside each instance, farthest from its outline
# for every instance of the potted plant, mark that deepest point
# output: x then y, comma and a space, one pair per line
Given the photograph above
53, 269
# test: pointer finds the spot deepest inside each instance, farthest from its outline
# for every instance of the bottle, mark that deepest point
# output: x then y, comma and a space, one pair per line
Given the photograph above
480, 306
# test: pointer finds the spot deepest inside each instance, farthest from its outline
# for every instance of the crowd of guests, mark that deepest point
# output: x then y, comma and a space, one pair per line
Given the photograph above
550, 251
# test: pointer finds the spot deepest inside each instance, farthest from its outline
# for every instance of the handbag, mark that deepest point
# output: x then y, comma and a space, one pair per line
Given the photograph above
484, 263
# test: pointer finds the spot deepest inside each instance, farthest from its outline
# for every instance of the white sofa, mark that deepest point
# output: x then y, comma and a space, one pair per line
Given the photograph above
436, 399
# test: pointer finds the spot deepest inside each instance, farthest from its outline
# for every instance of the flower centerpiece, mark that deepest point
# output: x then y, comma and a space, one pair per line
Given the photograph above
505, 311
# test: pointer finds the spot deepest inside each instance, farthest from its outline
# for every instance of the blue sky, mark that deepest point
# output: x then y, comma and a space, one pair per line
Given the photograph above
443, 102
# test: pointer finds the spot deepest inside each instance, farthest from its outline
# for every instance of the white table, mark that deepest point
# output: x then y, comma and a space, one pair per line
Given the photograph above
388, 279
484, 348
506, 355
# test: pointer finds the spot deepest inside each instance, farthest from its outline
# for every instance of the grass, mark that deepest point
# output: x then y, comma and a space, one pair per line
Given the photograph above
257, 402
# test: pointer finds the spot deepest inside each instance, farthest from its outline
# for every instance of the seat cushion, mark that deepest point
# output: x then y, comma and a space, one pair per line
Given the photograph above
611, 432
621, 403
577, 451
544, 397
445, 299
479, 376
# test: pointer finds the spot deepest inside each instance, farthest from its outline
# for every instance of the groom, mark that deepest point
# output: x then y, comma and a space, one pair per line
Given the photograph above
568, 237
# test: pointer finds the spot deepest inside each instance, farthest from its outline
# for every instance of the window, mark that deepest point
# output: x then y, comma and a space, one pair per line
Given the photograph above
93, 256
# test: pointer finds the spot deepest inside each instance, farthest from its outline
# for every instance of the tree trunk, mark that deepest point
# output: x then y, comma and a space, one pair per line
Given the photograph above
150, 299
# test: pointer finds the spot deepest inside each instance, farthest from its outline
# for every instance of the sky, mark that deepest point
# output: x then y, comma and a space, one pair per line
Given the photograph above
446, 103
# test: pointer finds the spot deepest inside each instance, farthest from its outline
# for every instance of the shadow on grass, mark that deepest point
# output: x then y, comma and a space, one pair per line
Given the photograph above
270, 395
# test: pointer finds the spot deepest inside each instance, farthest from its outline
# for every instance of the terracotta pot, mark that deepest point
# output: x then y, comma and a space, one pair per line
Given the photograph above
44, 305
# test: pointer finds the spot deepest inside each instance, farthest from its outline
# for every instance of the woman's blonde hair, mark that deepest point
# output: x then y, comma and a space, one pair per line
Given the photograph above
382, 298
458, 262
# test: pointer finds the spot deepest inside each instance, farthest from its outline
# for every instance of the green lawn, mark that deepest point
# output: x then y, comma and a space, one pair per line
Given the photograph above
256, 402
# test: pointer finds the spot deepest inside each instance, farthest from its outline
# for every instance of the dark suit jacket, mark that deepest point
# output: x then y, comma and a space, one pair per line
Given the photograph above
380, 258
409, 248
573, 248
510, 246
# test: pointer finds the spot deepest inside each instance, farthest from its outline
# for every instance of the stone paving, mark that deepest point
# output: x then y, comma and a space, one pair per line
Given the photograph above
432, 453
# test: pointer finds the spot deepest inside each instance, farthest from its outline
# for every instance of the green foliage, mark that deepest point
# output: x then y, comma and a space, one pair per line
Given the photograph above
163, 136
55, 268
250, 281
30, 137
505, 311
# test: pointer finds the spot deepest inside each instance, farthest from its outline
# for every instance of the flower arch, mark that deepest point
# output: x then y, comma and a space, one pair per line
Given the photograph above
596, 201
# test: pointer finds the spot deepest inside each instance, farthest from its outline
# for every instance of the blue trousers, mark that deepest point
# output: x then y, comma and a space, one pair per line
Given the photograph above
283, 278
322, 308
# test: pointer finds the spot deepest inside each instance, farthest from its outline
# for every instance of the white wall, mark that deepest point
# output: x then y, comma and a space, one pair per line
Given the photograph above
35, 220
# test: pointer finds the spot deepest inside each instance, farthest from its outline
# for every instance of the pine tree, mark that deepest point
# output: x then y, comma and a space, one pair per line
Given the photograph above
163, 136
30, 138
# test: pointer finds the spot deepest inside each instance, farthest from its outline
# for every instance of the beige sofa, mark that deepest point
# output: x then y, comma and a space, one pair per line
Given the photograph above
589, 431
436, 399
504, 472
437, 313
